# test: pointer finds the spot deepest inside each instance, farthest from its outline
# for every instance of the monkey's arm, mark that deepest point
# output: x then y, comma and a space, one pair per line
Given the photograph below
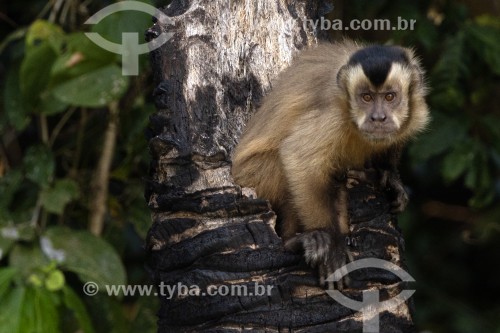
319, 202
388, 164
382, 170
306, 158
325, 226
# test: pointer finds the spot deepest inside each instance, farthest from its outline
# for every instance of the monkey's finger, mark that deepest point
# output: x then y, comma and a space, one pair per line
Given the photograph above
399, 204
316, 245
369, 175
294, 244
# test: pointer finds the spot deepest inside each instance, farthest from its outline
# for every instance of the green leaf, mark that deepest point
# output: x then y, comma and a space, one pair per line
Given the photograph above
113, 26
81, 56
7, 275
482, 198
94, 89
479, 178
55, 198
39, 165
9, 185
41, 30
27, 259
491, 123
50, 105
485, 41
43, 43
27, 310
5, 245
16, 111
17, 199
485, 181
35, 71
90, 257
451, 65
457, 161
79, 42
73, 302
11, 314
40, 306
471, 177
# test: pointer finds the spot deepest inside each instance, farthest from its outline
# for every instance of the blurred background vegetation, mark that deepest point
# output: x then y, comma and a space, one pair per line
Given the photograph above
72, 126
73, 158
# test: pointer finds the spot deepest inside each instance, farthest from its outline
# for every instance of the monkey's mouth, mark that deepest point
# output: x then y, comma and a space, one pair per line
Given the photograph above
378, 132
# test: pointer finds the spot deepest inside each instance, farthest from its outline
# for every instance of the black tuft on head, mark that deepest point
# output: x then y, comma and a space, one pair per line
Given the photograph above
377, 60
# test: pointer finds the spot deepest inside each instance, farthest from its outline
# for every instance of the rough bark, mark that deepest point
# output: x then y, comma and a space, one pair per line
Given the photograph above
207, 230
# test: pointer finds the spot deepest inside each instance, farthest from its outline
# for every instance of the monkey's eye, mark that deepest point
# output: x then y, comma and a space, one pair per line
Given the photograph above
366, 97
389, 97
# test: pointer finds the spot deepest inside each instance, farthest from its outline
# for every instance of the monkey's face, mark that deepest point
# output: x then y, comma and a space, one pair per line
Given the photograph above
379, 111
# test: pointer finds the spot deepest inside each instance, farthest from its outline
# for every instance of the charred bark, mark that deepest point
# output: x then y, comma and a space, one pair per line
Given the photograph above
206, 230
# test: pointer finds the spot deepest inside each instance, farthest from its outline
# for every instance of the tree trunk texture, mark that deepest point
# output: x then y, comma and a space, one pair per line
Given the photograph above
206, 230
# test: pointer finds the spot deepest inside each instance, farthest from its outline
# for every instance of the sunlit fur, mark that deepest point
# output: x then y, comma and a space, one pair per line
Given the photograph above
307, 131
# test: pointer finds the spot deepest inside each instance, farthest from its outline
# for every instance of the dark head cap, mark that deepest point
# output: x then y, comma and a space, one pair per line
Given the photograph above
377, 60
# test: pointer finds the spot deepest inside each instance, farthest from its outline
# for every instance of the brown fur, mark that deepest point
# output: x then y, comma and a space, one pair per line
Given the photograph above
307, 132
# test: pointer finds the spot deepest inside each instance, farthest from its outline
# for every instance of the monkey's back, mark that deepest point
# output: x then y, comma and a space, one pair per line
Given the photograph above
308, 84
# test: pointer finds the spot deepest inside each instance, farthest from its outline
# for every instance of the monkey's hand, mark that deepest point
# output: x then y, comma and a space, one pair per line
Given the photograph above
322, 250
391, 180
388, 179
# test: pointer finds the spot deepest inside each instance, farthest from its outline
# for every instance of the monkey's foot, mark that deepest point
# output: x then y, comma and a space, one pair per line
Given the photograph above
323, 250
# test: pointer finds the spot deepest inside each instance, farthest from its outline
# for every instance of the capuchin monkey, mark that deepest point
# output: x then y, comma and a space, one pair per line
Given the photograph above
337, 110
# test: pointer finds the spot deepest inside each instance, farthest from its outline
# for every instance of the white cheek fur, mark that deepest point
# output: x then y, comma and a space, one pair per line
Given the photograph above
360, 119
396, 121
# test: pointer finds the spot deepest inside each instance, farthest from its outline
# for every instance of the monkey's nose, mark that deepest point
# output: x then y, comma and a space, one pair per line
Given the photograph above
380, 117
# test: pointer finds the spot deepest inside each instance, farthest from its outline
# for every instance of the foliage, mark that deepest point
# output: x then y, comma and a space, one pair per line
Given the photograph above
467, 147
56, 93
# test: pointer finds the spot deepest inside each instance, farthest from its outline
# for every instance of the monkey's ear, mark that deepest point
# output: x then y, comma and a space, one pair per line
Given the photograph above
417, 78
342, 77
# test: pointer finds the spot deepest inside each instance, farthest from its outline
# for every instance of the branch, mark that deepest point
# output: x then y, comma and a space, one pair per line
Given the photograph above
99, 188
